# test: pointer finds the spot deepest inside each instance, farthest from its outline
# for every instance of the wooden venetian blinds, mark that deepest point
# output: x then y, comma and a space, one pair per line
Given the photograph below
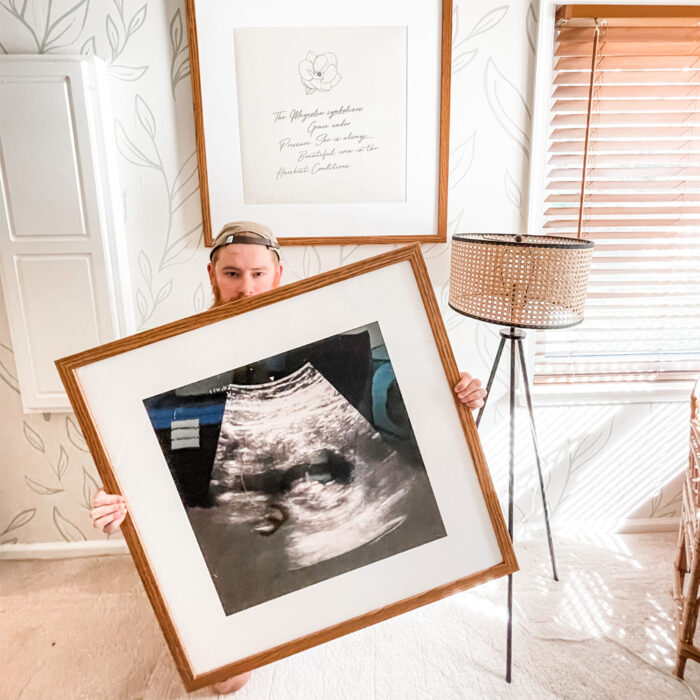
624, 168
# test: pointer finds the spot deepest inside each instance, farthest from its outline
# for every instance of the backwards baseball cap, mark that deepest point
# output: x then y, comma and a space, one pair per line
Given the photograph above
245, 232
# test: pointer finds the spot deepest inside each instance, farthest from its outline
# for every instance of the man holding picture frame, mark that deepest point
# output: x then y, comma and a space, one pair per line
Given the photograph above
245, 261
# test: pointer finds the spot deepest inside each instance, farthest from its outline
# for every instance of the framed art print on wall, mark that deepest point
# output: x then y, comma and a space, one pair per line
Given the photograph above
329, 122
295, 464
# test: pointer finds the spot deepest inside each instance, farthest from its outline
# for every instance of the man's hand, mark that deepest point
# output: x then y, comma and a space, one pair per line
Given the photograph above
469, 391
108, 511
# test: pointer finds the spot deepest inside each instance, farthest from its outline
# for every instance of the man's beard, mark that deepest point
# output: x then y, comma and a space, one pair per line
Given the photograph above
218, 300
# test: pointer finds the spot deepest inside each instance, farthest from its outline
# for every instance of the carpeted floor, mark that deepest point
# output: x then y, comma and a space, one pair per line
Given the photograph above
83, 628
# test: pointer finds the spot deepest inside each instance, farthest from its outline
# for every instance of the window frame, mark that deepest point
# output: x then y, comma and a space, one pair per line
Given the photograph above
580, 392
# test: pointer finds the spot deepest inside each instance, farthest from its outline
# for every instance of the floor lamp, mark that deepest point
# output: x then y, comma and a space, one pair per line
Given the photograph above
519, 282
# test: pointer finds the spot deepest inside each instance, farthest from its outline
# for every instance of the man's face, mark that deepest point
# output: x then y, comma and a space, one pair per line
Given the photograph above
242, 270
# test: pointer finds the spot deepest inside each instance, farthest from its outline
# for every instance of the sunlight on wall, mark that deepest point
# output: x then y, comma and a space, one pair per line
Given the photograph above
601, 463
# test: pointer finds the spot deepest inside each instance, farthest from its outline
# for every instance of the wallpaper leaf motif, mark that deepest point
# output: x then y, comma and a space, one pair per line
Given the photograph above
90, 488
198, 298
33, 438
486, 353
455, 23
67, 27
112, 36
180, 61
74, 435
346, 252
461, 160
127, 73
589, 446
462, 55
147, 305
512, 190
311, 261
656, 502
129, 150
508, 106
145, 267
531, 28
463, 59
668, 509
513, 193
435, 251
8, 378
452, 318
62, 463
69, 531
119, 32
47, 33
20, 520
454, 223
178, 248
488, 21
40, 488
137, 20
141, 307
163, 292
186, 182
89, 48
145, 117
183, 248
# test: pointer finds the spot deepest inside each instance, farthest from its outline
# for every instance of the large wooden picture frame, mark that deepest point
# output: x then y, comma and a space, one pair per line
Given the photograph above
329, 122
429, 523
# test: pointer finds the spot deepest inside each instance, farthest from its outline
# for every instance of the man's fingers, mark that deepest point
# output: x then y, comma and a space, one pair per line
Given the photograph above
103, 499
109, 523
467, 383
113, 527
101, 513
477, 393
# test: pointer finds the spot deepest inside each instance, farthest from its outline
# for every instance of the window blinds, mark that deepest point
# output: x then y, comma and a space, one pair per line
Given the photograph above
641, 193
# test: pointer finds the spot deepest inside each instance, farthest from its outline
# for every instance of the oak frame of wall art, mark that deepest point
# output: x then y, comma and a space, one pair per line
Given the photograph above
423, 506
348, 142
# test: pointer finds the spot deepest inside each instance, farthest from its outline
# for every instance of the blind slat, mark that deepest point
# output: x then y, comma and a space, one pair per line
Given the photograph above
641, 201
615, 106
583, 63
613, 92
658, 118
628, 77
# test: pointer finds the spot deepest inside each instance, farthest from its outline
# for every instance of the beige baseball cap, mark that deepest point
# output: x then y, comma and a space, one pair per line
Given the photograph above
245, 232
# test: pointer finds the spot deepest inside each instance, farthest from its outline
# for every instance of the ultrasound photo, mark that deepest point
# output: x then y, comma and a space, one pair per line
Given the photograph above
297, 468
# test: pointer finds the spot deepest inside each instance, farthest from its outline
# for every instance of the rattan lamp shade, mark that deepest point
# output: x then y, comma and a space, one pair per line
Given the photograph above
520, 281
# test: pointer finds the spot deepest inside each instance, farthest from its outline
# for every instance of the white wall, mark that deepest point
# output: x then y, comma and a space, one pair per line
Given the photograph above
605, 463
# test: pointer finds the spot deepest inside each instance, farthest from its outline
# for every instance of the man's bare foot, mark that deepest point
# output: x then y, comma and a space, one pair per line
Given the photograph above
231, 685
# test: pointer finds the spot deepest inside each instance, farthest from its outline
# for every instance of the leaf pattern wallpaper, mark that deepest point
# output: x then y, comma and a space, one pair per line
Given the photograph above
605, 462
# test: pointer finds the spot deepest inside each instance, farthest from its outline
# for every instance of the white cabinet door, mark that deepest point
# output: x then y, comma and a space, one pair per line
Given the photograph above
62, 247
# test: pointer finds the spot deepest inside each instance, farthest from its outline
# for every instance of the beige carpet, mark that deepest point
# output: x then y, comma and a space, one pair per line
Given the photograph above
83, 628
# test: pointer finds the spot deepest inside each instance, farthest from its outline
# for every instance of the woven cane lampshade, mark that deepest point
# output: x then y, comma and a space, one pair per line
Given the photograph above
520, 281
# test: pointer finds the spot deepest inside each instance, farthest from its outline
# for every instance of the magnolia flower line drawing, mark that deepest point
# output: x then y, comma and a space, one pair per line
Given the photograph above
319, 72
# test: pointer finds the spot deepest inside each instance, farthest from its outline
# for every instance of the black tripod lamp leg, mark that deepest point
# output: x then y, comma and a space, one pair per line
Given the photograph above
537, 459
511, 483
494, 367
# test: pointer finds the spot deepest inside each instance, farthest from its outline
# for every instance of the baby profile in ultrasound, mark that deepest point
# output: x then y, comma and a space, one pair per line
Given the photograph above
297, 468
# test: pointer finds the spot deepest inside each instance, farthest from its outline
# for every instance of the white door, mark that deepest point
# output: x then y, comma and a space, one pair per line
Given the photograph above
64, 271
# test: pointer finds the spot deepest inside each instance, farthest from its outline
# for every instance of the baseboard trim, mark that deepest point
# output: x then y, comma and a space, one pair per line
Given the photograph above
95, 548
576, 528
63, 550
633, 525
